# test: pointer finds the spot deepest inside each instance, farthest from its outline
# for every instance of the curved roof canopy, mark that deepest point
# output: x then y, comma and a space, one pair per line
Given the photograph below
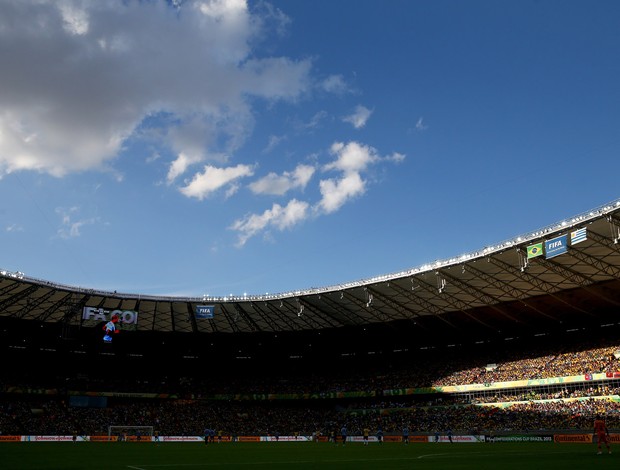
494, 289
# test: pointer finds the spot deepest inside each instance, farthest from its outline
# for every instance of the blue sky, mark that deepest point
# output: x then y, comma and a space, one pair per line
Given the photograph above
231, 147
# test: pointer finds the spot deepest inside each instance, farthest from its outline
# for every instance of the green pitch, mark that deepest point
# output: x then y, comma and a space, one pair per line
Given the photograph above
285, 455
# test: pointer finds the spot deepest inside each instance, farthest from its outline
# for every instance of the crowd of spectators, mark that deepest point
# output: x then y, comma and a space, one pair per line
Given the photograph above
176, 417
440, 370
195, 407
506, 367
532, 394
170, 417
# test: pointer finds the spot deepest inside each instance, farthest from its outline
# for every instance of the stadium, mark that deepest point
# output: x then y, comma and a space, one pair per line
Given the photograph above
518, 341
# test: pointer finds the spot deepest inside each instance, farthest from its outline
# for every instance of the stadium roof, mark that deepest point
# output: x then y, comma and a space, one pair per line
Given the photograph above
494, 289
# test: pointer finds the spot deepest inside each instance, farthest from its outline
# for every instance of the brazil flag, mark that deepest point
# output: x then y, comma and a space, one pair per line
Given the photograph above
534, 250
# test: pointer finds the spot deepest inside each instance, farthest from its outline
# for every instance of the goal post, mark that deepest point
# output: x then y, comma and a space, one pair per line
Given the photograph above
137, 432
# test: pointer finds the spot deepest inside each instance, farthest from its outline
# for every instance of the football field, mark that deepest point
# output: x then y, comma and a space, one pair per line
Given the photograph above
268, 455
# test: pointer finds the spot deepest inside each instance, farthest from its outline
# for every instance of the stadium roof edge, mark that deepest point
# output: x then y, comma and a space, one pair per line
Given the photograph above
514, 242
496, 289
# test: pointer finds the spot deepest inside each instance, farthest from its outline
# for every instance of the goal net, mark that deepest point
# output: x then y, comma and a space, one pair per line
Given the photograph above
130, 432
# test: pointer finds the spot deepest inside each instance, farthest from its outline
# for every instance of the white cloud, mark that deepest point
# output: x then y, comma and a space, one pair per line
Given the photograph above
313, 123
212, 179
272, 16
14, 228
336, 192
420, 126
359, 117
179, 166
274, 141
280, 78
78, 79
277, 217
75, 20
334, 84
153, 157
395, 157
193, 136
231, 190
70, 228
351, 160
351, 157
280, 184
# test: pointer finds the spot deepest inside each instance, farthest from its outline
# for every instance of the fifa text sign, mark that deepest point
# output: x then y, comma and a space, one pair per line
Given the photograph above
204, 311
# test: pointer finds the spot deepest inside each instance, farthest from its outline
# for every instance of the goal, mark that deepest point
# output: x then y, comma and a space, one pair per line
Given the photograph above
131, 432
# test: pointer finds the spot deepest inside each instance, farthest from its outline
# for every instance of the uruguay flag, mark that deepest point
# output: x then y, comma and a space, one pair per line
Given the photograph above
578, 236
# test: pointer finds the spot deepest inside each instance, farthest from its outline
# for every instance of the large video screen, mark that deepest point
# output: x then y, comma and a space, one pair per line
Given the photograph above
93, 316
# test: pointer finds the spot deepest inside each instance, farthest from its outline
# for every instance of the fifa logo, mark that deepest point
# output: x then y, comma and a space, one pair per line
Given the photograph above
556, 244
